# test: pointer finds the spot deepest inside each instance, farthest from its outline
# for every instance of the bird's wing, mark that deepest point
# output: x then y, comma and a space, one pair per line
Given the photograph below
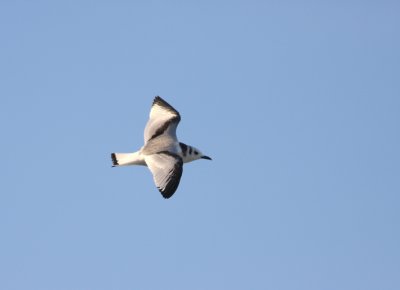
167, 170
163, 120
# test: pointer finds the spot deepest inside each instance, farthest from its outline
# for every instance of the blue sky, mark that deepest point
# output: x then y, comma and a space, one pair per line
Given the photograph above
297, 102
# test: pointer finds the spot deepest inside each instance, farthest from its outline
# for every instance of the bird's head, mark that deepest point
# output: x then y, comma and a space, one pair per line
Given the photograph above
190, 153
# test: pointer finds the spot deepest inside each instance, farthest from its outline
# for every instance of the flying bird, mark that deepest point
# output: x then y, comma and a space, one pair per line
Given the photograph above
162, 153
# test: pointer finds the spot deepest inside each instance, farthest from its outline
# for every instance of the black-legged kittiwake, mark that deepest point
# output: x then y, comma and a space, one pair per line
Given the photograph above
162, 153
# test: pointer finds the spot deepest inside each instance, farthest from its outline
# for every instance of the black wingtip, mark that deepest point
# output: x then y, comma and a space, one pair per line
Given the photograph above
166, 194
114, 160
161, 102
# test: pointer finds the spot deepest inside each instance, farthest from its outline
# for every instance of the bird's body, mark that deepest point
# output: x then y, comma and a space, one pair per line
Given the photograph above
162, 153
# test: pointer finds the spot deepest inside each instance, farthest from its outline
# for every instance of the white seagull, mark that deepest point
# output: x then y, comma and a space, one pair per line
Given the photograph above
162, 153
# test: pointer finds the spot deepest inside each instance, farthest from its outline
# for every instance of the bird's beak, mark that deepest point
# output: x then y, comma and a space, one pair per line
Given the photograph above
206, 157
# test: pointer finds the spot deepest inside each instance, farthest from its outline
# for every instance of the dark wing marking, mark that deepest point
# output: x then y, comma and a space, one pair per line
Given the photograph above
163, 120
167, 171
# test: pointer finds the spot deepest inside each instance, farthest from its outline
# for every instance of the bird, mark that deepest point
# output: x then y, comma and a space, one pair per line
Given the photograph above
162, 153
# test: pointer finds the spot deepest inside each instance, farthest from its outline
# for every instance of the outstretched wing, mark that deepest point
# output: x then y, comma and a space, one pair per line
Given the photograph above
163, 120
167, 170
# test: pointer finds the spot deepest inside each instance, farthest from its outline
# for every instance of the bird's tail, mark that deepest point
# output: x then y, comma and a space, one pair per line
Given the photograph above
121, 159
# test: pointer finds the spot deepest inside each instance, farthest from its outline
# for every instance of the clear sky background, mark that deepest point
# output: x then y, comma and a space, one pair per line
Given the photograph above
298, 103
